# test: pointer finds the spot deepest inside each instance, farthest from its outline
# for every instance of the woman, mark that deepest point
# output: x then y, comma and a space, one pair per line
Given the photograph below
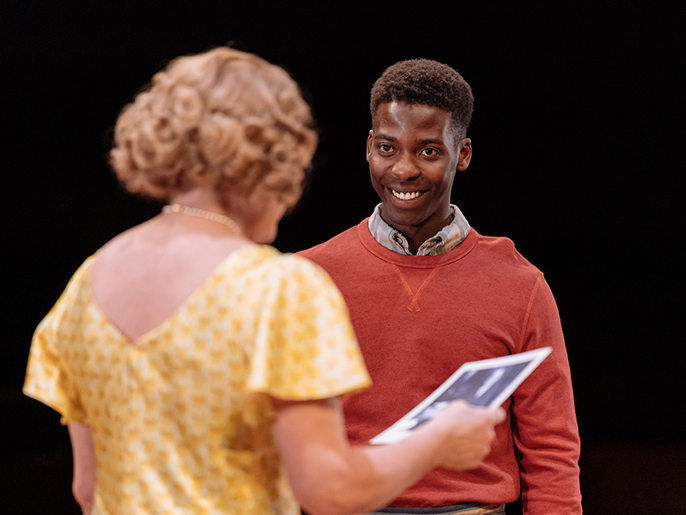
191, 362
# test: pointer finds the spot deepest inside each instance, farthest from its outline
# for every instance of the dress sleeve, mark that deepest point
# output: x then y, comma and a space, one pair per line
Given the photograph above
544, 418
48, 377
305, 347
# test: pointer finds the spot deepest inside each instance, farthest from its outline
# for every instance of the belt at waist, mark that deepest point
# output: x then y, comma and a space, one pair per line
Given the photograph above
466, 508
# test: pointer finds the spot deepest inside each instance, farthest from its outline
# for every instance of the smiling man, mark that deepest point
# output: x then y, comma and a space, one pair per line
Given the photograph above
413, 153
427, 293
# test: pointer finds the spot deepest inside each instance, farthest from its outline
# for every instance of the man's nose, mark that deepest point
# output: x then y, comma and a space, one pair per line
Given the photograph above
405, 167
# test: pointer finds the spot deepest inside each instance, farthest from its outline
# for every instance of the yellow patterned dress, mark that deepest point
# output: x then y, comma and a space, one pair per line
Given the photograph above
180, 417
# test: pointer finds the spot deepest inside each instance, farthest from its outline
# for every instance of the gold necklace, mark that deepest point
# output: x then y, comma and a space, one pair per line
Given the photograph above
203, 213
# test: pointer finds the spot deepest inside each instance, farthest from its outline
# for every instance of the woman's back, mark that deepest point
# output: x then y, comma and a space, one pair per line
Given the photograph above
141, 277
179, 417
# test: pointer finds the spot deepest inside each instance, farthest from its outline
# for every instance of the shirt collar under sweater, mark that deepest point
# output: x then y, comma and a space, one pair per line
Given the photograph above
444, 241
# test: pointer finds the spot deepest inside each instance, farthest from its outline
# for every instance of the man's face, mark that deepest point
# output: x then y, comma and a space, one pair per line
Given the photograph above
413, 156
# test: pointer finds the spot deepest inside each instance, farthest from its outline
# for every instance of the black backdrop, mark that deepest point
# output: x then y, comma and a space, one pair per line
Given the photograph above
578, 138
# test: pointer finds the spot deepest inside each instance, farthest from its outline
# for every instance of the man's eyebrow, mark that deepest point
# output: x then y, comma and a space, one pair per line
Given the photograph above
431, 142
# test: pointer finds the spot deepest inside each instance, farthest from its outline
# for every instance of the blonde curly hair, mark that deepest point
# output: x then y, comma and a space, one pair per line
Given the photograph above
216, 119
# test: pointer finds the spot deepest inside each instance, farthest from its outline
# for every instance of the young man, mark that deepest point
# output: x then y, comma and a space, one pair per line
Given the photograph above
427, 293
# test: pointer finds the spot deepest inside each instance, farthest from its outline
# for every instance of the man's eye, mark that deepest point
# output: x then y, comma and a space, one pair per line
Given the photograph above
431, 152
385, 148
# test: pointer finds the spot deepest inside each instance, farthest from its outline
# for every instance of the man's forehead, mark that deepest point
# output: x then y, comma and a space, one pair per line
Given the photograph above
404, 116
404, 103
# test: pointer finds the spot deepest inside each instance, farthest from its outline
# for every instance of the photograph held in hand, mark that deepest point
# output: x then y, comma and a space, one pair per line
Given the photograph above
487, 382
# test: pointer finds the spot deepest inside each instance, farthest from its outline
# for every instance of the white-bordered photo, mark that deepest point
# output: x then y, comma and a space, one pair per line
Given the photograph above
488, 382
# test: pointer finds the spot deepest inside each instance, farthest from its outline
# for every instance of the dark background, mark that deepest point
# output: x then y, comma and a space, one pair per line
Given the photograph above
578, 138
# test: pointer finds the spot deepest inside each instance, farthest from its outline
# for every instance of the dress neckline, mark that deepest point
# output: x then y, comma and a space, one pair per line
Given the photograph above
150, 334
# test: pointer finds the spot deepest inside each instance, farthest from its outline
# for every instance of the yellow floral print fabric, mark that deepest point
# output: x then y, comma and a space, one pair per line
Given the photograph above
181, 417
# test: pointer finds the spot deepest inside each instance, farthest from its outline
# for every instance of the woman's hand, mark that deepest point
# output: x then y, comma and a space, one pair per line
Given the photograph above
467, 432
83, 484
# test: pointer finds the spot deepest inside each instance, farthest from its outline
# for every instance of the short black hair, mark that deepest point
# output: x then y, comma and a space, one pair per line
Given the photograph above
427, 82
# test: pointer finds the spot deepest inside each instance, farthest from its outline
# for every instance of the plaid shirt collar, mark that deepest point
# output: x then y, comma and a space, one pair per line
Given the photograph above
444, 241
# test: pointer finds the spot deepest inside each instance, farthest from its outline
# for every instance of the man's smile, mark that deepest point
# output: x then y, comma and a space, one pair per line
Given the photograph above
406, 195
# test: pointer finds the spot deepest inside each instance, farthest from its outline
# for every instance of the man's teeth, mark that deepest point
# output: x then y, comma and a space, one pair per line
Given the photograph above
407, 195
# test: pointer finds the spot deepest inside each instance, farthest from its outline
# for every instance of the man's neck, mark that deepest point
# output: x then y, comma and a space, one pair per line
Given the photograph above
416, 235
447, 238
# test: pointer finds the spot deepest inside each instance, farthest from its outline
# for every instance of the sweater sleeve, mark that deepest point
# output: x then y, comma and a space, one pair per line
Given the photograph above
543, 416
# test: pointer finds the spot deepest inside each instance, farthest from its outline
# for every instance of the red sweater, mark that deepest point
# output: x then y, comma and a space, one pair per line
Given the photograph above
418, 318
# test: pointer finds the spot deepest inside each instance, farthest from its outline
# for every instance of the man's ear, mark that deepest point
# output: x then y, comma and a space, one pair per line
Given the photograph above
370, 139
465, 155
